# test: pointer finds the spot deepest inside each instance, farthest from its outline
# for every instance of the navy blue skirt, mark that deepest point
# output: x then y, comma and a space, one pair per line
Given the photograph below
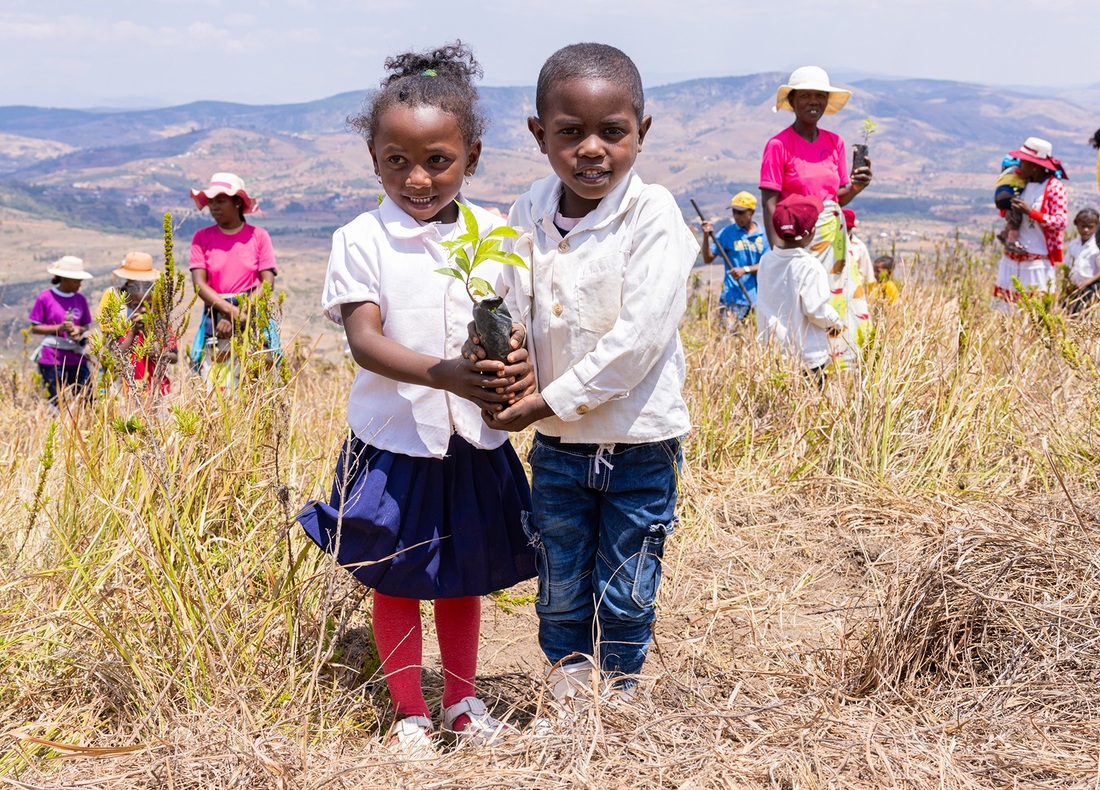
427, 528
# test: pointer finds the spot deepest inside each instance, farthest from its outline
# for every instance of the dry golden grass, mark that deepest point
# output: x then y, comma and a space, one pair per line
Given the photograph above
891, 585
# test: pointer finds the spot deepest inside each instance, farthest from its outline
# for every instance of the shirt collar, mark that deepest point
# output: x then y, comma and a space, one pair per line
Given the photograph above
546, 195
400, 225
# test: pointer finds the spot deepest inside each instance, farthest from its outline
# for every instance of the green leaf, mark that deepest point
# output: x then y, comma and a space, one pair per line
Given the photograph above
469, 220
481, 288
463, 261
509, 258
453, 273
503, 232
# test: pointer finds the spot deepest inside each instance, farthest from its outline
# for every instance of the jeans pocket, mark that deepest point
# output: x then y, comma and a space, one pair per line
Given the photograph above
647, 572
534, 540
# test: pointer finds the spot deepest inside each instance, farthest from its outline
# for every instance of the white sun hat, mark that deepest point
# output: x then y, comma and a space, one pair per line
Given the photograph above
811, 78
69, 267
224, 184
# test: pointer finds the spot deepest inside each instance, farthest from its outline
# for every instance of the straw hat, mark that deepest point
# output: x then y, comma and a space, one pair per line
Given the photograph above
224, 184
811, 78
137, 266
69, 267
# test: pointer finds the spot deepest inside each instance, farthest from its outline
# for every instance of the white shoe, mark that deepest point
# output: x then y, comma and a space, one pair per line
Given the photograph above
572, 690
571, 681
411, 738
481, 730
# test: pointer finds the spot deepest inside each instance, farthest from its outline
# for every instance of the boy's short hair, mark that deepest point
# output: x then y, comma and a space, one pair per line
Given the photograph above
590, 61
886, 262
1088, 214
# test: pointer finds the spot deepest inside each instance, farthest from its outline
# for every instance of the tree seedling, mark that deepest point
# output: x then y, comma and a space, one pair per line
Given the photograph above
466, 253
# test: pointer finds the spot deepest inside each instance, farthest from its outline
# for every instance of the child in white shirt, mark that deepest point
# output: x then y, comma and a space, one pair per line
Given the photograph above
602, 298
793, 290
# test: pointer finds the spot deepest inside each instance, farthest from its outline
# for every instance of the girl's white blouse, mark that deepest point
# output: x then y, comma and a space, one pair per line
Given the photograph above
388, 258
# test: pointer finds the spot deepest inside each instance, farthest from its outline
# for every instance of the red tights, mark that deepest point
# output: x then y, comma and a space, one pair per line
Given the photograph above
396, 623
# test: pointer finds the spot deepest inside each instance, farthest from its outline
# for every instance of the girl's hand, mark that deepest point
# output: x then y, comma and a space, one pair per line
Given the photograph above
480, 382
1021, 205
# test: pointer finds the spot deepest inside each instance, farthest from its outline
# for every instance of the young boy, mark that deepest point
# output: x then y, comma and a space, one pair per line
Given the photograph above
793, 306
885, 287
744, 243
609, 258
1083, 259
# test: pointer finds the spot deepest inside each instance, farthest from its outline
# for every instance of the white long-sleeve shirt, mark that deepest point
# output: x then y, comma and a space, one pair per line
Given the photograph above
792, 305
602, 304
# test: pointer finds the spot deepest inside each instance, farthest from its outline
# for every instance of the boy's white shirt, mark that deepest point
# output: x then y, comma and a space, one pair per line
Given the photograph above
1084, 260
602, 307
792, 305
386, 257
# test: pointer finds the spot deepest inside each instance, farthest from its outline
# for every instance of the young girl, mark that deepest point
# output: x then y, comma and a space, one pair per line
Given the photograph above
62, 315
228, 258
427, 499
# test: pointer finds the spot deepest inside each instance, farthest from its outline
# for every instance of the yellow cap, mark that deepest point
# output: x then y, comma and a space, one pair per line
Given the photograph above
744, 200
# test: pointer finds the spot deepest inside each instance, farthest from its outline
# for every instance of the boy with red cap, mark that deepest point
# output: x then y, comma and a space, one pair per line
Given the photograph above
792, 307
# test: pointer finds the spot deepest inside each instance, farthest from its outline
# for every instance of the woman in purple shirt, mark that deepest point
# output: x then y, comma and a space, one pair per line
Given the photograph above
62, 315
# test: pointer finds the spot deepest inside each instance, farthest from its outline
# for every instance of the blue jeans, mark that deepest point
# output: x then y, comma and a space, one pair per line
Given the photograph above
599, 520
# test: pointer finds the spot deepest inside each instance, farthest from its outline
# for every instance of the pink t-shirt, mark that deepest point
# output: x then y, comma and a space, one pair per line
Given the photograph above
233, 262
792, 166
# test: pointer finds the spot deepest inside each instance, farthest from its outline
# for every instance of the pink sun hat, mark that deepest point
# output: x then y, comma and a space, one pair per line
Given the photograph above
224, 184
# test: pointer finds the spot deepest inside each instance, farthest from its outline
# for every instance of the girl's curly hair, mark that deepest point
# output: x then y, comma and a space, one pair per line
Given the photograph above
442, 78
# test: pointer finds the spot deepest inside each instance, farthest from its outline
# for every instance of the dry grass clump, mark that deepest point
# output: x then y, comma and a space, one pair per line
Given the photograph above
1010, 609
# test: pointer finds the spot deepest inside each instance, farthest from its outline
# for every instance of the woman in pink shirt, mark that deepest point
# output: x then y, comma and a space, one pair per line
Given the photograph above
228, 259
806, 160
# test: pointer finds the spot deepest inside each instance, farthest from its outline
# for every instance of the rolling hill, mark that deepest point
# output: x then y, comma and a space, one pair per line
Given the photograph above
938, 147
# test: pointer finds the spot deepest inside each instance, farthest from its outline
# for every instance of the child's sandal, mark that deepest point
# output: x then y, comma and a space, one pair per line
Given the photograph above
481, 728
411, 738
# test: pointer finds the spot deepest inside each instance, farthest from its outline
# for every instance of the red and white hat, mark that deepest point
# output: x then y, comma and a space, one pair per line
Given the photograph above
224, 184
1038, 151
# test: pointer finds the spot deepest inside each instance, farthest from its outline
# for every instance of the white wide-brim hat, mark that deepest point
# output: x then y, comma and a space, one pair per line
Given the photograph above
69, 267
224, 184
811, 78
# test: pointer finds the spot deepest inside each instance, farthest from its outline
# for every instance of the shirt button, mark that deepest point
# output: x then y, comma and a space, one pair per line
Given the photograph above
558, 309
582, 409
563, 246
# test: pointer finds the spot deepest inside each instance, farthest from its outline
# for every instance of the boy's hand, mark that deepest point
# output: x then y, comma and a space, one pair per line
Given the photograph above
519, 415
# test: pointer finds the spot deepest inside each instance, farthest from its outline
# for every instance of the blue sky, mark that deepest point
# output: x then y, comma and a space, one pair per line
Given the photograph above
128, 53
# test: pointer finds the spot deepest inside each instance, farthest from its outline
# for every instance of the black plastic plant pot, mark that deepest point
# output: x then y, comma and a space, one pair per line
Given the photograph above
859, 156
494, 326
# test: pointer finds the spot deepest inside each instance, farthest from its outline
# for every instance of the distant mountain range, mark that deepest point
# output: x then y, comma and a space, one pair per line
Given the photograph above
936, 153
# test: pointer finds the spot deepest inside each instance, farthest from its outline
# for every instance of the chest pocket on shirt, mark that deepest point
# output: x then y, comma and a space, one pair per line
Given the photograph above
600, 293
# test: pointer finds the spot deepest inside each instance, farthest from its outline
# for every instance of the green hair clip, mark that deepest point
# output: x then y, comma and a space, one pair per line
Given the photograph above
429, 73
